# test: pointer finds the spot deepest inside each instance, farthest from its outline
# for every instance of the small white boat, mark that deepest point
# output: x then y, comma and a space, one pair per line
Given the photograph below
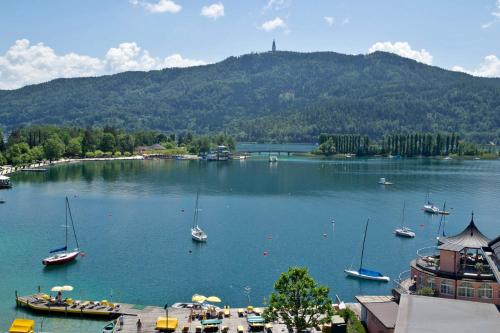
431, 208
197, 234
447, 158
273, 159
404, 231
383, 181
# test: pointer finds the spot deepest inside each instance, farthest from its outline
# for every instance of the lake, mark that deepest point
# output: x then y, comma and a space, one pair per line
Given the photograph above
133, 220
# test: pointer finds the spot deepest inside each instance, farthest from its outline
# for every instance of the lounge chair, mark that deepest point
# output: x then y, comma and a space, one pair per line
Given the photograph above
269, 327
241, 312
198, 329
240, 329
224, 329
185, 329
227, 312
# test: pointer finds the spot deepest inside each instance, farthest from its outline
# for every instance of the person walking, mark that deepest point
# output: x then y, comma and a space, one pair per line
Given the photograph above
139, 325
121, 319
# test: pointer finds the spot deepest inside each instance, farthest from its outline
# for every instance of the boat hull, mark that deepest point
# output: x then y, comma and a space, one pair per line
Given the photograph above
61, 259
403, 233
358, 275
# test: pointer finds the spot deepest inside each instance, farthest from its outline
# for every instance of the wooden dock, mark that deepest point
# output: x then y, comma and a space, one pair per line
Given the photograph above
147, 314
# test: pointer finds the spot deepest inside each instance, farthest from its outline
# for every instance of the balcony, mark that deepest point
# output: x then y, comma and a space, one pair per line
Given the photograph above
470, 266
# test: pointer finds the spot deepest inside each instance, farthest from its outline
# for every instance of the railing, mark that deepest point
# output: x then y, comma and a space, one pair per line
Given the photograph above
404, 283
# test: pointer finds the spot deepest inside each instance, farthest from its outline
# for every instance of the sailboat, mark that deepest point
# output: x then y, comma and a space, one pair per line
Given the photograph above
363, 273
429, 207
404, 231
196, 232
62, 255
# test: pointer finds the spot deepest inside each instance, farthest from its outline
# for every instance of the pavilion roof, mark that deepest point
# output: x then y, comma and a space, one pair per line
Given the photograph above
470, 238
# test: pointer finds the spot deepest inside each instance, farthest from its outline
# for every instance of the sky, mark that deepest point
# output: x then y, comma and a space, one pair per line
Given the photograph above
45, 39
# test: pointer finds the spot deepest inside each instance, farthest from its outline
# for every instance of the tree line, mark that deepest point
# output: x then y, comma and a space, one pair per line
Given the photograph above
36, 143
407, 145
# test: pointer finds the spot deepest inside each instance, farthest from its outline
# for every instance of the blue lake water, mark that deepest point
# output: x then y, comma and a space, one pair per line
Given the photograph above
133, 220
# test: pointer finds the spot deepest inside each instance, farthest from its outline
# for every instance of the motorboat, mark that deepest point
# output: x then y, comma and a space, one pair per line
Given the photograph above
5, 182
383, 181
273, 158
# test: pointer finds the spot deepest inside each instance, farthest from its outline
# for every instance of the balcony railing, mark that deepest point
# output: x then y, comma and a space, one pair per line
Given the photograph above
404, 284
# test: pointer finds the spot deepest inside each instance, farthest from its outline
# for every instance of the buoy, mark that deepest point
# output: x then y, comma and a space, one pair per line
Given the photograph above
265, 253
325, 235
270, 237
182, 210
190, 251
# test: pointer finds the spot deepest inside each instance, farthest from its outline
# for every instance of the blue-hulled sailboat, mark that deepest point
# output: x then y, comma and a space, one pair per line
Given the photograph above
363, 273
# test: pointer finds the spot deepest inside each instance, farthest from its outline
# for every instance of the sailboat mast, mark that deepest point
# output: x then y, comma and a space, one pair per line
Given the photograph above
363, 248
403, 220
195, 217
66, 227
68, 209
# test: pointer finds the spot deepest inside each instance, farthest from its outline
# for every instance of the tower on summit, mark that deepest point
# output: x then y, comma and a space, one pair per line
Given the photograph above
274, 46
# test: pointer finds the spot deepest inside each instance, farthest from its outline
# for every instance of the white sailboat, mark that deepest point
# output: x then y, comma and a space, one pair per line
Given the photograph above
197, 233
62, 255
404, 231
363, 273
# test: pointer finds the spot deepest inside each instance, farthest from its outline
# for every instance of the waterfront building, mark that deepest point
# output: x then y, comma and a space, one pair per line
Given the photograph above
464, 266
415, 314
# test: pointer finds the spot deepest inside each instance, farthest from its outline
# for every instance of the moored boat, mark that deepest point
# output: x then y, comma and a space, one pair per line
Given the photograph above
404, 231
197, 234
363, 273
5, 182
430, 208
62, 255
273, 158
383, 181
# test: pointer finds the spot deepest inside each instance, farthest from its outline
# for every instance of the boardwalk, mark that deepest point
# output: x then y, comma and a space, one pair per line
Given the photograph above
150, 314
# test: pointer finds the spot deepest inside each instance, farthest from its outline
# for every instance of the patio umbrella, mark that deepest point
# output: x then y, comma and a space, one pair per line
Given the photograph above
198, 298
213, 299
67, 288
56, 288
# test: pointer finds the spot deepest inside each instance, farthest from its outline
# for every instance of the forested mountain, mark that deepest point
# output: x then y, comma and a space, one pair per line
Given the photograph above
284, 96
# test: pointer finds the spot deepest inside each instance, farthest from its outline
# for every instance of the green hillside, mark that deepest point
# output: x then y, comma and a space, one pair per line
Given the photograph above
284, 96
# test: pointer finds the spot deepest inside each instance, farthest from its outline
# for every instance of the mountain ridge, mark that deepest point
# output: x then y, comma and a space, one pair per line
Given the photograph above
283, 95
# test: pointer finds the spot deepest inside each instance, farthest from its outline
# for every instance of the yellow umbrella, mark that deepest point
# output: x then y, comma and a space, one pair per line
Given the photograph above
198, 298
213, 299
56, 288
67, 288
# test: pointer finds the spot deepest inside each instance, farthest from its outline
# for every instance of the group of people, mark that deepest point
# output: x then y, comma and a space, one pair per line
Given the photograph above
121, 322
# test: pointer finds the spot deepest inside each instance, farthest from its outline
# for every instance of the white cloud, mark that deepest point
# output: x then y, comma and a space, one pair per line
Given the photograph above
24, 63
162, 6
214, 11
496, 15
329, 20
276, 4
273, 24
490, 67
345, 21
403, 49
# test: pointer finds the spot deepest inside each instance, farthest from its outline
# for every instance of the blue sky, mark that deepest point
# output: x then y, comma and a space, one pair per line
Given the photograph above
41, 40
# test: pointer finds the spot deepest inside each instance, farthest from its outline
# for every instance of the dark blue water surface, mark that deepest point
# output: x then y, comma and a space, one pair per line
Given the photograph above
133, 220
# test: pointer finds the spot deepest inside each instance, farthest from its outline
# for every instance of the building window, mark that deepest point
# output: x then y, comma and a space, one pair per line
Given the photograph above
447, 287
466, 289
485, 291
431, 283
